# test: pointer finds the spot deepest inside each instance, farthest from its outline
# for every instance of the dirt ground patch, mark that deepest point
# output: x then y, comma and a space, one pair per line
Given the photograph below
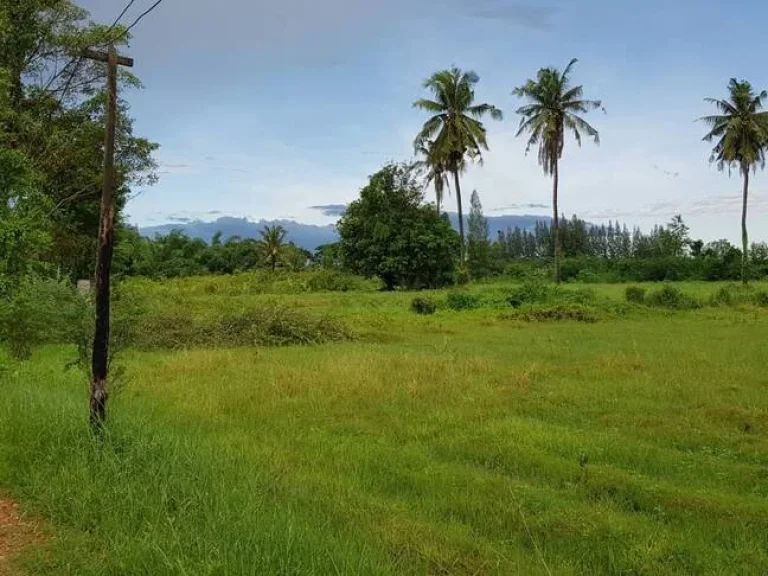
16, 534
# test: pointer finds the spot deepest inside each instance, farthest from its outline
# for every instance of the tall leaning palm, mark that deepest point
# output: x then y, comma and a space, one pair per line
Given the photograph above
272, 244
741, 133
455, 126
433, 166
553, 109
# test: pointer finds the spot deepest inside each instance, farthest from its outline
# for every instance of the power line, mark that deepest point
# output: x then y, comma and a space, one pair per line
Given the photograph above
77, 60
105, 39
141, 17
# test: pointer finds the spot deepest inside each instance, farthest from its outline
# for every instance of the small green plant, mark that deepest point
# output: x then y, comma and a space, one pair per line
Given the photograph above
635, 294
673, 298
761, 299
463, 276
529, 293
423, 306
459, 300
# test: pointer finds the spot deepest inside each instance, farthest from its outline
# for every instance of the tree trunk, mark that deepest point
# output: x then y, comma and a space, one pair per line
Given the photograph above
744, 235
461, 215
556, 221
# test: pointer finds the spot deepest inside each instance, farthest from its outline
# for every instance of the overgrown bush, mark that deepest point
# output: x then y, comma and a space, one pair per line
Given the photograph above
635, 294
671, 297
529, 293
761, 298
460, 300
37, 311
423, 306
333, 281
554, 313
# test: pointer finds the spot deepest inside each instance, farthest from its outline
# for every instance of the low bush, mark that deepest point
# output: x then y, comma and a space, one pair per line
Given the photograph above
423, 306
761, 298
333, 281
529, 293
39, 311
673, 298
458, 300
559, 312
635, 294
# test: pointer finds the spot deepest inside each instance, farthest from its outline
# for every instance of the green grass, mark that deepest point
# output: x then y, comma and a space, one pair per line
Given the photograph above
466, 442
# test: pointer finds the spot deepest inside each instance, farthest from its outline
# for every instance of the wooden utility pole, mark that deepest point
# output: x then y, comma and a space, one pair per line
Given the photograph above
100, 357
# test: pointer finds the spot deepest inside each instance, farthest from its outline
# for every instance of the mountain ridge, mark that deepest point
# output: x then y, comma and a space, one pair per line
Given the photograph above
308, 236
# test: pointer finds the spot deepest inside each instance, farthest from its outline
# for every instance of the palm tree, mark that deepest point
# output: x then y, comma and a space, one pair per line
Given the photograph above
552, 110
433, 166
741, 132
455, 126
272, 244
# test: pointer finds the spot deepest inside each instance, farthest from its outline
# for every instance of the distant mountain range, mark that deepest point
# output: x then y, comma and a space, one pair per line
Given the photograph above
307, 236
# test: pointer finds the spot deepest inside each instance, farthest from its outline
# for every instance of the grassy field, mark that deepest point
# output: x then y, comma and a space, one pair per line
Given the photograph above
466, 442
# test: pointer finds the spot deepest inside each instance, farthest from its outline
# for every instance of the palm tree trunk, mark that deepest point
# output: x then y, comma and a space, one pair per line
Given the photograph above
556, 221
461, 214
744, 235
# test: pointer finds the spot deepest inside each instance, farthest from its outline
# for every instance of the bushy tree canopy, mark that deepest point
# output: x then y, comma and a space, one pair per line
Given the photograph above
390, 233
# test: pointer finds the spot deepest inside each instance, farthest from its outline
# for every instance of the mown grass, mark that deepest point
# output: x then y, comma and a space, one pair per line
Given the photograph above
469, 441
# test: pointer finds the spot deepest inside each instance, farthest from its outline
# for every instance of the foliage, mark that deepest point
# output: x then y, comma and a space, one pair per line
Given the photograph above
461, 300
553, 109
479, 249
423, 306
272, 245
177, 255
669, 296
740, 131
52, 109
24, 218
390, 234
529, 293
38, 311
635, 294
454, 132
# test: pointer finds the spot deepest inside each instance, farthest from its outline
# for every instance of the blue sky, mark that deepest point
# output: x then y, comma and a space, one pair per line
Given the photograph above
265, 109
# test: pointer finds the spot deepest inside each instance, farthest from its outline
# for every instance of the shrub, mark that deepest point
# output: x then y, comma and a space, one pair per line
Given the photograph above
457, 300
463, 276
423, 306
635, 294
560, 312
333, 281
671, 297
529, 293
39, 311
761, 298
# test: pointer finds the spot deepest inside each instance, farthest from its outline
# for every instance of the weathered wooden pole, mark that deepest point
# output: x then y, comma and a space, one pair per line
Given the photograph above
106, 243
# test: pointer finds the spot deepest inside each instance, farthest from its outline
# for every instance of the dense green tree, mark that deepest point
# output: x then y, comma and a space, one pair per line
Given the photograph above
553, 109
455, 127
54, 114
391, 234
740, 131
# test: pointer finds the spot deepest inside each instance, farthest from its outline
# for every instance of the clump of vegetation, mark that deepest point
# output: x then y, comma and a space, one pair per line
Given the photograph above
266, 326
423, 306
333, 281
559, 312
461, 300
529, 293
39, 311
635, 294
673, 298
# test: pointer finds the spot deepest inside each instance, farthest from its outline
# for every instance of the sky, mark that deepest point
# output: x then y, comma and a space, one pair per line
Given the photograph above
271, 108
